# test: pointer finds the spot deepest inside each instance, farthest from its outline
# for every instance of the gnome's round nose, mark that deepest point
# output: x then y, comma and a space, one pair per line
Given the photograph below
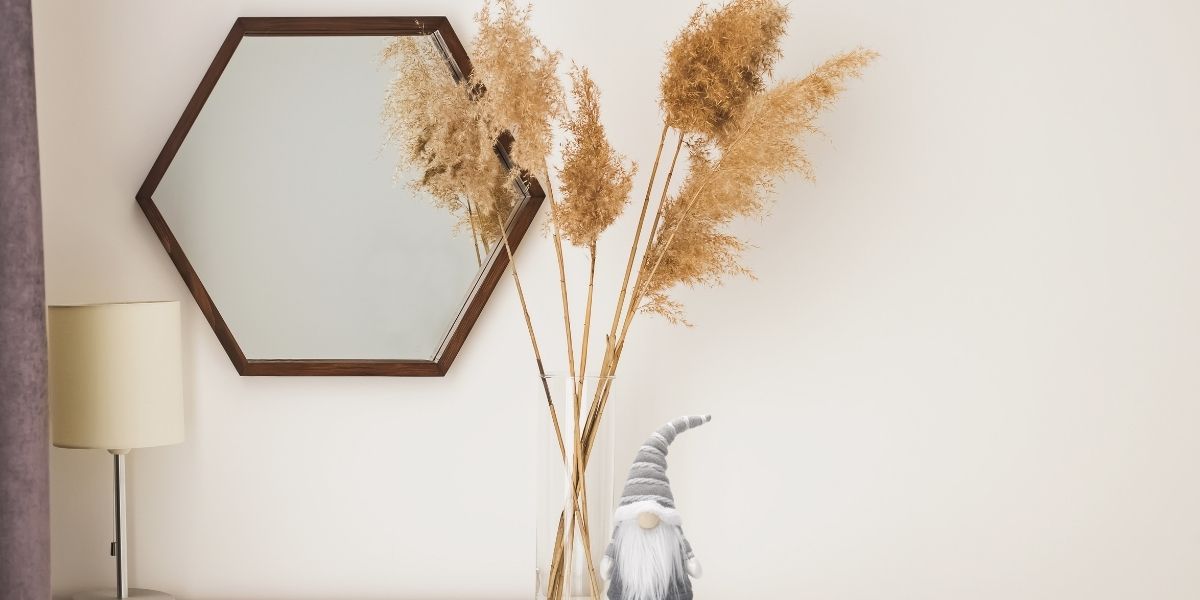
648, 520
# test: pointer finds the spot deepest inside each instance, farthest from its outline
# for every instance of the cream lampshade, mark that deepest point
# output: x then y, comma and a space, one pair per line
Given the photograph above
116, 385
115, 376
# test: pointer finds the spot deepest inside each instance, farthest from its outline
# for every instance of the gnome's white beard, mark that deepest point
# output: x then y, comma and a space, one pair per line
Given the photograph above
648, 561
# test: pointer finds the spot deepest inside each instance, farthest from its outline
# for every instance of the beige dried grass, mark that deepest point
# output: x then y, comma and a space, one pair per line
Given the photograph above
595, 180
755, 147
719, 60
523, 94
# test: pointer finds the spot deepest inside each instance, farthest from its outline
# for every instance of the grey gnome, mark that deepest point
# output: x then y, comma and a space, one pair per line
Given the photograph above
649, 558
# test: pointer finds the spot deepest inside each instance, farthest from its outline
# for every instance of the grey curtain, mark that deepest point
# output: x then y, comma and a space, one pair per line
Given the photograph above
24, 444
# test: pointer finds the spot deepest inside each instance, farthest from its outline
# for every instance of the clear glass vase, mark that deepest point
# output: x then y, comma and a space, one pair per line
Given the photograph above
596, 495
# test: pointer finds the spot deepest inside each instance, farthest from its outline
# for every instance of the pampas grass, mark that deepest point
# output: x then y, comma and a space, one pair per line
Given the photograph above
720, 59
595, 181
738, 130
732, 174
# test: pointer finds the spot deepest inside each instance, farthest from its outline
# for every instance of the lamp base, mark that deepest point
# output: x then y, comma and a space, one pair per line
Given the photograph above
133, 593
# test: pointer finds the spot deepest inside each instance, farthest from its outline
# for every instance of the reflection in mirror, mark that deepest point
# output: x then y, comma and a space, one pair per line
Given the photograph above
445, 148
310, 229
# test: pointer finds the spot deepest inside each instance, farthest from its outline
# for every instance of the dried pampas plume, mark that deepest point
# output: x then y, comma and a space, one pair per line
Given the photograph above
757, 145
523, 94
718, 61
595, 181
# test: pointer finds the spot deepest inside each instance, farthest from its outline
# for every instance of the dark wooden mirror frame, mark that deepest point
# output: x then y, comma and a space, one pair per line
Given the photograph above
485, 282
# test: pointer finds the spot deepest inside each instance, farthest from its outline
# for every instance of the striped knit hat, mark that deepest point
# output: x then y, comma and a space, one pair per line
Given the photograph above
647, 488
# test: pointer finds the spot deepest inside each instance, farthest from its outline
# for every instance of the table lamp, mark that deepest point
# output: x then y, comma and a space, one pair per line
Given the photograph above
116, 385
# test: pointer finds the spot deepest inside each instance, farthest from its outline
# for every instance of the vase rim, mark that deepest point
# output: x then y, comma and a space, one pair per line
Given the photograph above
559, 375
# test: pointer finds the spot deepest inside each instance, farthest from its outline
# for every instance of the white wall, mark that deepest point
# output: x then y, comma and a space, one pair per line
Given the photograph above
966, 371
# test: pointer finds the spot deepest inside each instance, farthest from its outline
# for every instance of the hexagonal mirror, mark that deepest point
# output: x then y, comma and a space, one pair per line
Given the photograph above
292, 220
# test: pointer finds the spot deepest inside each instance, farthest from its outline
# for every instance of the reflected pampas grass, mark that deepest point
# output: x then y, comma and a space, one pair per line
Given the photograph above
523, 94
446, 142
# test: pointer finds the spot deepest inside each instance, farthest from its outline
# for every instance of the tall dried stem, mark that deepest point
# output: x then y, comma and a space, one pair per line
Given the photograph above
580, 467
607, 367
586, 533
662, 200
569, 548
474, 233
565, 568
562, 287
587, 321
637, 236
537, 352
600, 402
644, 275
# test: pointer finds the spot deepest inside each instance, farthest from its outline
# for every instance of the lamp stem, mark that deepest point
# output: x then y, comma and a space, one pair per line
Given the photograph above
121, 533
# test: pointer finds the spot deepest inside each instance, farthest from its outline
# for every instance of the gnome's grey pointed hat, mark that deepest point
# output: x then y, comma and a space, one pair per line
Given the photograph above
647, 488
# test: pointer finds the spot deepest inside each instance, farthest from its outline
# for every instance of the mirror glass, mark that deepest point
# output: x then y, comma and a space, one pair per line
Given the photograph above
294, 211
